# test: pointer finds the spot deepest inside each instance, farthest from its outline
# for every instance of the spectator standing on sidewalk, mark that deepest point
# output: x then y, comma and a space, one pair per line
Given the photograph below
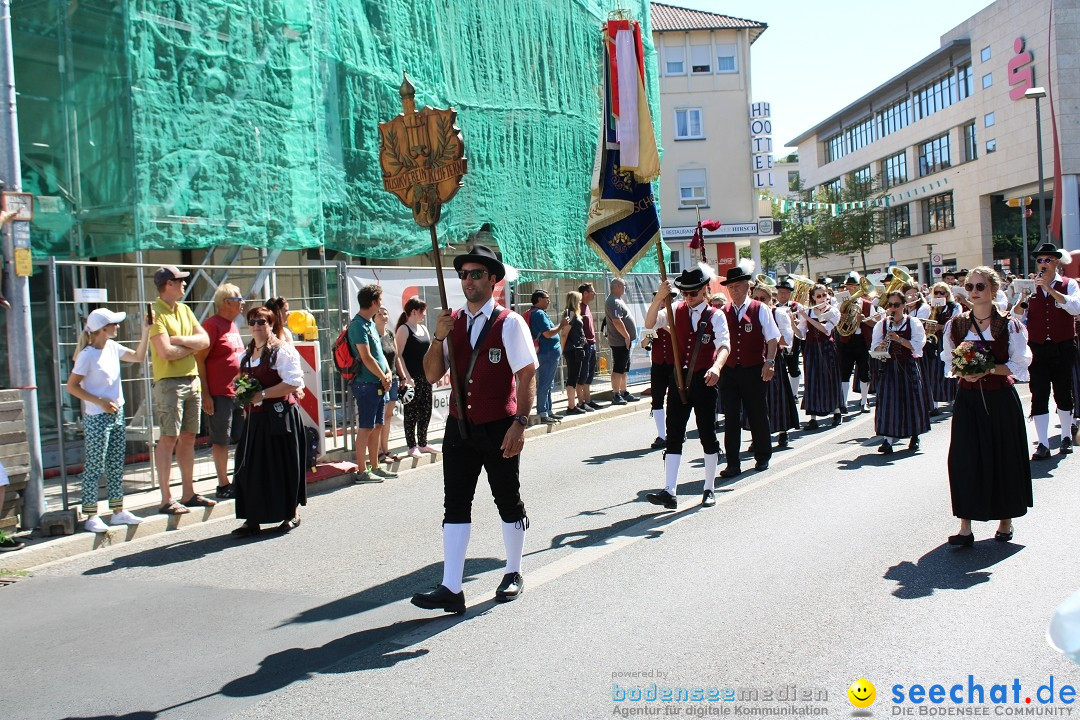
621, 333
546, 336
389, 346
95, 379
175, 338
219, 365
370, 386
584, 389
573, 340
413, 340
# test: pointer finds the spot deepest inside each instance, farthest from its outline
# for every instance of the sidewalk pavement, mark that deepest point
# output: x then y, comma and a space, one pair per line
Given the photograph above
336, 471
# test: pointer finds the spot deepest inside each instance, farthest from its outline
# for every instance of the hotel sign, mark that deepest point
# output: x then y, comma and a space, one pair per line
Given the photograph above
726, 230
761, 145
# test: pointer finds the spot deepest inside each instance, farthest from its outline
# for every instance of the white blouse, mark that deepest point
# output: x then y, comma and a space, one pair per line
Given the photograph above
287, 364
829, 319
783, 324
1019, 352
918, 334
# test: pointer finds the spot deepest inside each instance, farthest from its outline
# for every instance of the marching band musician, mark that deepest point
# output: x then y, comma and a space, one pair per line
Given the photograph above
942, 386
702, 334
1051, 331
901, 409
658, 343
750, 368
783, 410
989, 474
784, 290
821, 389
854, 349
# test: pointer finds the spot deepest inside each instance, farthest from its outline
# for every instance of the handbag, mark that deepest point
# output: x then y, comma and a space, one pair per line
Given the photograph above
278, 418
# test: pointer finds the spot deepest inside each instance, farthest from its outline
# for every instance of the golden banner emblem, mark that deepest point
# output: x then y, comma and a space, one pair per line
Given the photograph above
422, 157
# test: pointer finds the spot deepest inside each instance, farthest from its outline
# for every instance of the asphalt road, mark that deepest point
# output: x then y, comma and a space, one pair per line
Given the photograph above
829, 567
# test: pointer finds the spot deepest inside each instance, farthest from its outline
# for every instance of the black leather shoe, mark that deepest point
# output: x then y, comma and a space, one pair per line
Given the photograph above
913, 444
730, 472
812, 425
1003, 536
761, 465
708, 498
663, 498
1041, 453
836, 418
659, 443
1066, 446
441, 599
962, 540
885, 448
864, 408
782, 440
245, 530
510, 588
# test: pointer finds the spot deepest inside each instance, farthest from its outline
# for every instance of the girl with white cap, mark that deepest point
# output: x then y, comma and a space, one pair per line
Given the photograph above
95, 379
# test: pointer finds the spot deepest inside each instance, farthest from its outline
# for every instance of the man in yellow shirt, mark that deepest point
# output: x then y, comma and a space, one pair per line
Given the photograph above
175, 339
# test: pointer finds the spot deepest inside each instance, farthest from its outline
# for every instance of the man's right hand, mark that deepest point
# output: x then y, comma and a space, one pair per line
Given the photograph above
664, 291
387, 381
444, 325
207, 407
107, 405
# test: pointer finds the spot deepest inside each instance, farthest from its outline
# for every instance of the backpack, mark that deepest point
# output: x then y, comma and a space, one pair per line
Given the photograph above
345, 360
311, 447
527, 317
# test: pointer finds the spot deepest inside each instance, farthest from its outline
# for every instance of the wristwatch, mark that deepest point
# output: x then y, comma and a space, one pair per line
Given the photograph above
523, 419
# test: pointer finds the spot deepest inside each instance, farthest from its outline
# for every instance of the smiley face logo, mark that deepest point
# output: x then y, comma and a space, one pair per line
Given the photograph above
862, 693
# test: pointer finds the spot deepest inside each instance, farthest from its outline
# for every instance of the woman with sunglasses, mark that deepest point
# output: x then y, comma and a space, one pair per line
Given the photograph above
902, 409
269, 481
942, 387
821, 384
574, 346
783, 408
989, 473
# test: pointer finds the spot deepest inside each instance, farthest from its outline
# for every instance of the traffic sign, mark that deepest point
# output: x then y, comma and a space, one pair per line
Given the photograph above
937, 271
935, 259
1015, 202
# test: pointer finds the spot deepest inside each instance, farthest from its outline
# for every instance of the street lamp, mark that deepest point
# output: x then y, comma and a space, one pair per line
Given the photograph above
1035, 94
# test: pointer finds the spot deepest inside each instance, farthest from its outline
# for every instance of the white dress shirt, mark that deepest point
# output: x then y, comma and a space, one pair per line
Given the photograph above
783, 323
721, 338
515, 336
765, 318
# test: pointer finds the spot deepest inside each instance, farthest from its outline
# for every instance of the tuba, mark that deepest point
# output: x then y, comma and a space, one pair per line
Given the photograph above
801, 294
849, 309
765, 280
900, 277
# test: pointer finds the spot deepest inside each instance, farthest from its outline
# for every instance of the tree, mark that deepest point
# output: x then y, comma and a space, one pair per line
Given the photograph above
799, 236
859, 224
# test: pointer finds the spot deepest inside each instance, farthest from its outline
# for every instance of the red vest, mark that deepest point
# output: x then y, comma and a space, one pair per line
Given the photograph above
1046, 322
999, 347
661, 349
267, 376
707, 354
747, 336
813, 335
492, 392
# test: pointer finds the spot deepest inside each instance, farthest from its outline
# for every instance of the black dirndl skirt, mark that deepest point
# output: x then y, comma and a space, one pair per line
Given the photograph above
902, 409
1076, 380
821, 386
783, 410
989, 470
271, 482
942, 387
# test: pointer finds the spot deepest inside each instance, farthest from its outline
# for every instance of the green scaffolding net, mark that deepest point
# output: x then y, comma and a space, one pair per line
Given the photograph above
162, 124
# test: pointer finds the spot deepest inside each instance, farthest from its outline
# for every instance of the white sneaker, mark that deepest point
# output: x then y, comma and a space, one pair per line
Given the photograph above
415, 452
123, 517
94, 524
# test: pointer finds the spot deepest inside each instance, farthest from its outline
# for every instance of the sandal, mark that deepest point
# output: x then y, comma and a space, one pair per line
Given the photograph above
198, 501
173, 508
289, 525
245, 530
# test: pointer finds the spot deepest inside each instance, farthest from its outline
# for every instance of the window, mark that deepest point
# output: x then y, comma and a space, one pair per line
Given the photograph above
970, 145
793, 180
699, 59
934, 155
898, 222
725, 59
675, 262
988, 80
985, 54
831, 190
834, 148
692, 187
989, 120
688, 124
862, 180
675, 60
964, 78
939, 212
938, 95
896, 170
991, 146
894, 117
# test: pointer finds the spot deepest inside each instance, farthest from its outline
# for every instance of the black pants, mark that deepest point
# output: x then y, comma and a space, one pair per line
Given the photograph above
742, 388
701, 402
792, 359
660, 376
1051, 367
464, 458
854, 355
418, 415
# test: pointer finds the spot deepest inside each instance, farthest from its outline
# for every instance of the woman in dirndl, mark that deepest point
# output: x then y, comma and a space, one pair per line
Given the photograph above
942, 386
902, 407
821, 382
270, 481
989, 470
783, 409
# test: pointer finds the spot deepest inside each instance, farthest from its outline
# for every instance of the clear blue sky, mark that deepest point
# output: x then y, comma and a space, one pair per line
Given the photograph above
816, 57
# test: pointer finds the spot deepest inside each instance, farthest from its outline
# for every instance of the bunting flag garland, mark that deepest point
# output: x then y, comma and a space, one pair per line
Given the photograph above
836, 208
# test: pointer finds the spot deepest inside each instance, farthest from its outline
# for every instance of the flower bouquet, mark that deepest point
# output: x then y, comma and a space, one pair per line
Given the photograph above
972, 358
246, 386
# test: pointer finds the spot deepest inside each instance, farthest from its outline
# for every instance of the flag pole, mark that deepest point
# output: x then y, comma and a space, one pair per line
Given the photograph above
680, 381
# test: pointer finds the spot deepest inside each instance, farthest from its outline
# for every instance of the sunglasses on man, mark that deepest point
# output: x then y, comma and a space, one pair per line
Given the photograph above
471, 274
1045, 260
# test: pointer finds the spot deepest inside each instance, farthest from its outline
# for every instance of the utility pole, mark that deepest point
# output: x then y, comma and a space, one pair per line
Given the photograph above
20, 336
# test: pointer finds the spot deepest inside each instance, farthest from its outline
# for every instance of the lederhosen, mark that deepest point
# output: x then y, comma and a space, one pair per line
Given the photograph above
854, 350
1052, 338
662, 370
902, 410
741, 385
699, 350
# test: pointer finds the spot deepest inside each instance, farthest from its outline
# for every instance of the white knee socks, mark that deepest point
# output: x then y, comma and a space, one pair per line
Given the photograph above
1065, 418
865, 392
1042, 428
794, 385
710, 471
514, 541
845, 388
671, 472
658, 418
455, 544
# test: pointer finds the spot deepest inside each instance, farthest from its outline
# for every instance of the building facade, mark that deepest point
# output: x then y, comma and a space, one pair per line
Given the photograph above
705, 103
953, 138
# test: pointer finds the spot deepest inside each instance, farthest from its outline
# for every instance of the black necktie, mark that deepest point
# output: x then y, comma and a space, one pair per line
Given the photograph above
472, 321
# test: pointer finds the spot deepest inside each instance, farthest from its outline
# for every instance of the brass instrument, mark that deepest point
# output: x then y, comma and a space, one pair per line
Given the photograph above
931, 324
899, 279
765, 280
849, 309
801, 294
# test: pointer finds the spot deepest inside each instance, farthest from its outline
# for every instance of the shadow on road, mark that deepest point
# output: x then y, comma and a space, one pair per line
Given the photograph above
141, 715
178, 552
389, 592
949, 568
621, 455
1045, 468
